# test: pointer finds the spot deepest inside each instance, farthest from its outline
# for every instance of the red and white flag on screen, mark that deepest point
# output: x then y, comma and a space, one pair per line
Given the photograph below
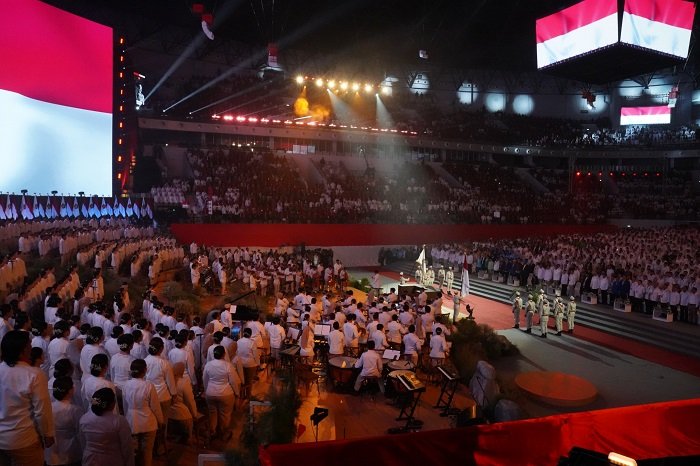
661, 25
657, 115
586, 26
55, 91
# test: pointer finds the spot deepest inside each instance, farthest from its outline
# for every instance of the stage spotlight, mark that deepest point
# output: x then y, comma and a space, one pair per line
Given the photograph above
355, 87
368, 88
344, 86
319, 82
386, 90
331, 84
300, 79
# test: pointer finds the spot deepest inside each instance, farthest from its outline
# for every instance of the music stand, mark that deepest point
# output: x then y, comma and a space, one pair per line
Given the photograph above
449, 384
414, 388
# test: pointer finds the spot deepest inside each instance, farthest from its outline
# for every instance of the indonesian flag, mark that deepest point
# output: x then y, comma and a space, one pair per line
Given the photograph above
661, 25
38, 208
657, 115
581, 28
8, 208
26, 211
55, 99
64, 209
465, 277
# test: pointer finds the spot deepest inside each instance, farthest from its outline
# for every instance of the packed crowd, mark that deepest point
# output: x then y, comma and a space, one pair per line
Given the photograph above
648, 268
86, 380
240, 186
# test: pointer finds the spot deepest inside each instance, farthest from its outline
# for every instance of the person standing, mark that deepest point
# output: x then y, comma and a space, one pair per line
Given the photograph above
558, 315
571, 313
26, 418
105, 436
221, 386
142, 411
450, 279
544, 316
517, 307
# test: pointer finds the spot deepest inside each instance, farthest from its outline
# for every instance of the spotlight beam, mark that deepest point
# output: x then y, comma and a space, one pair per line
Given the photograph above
308, 28
249, 102
221, 15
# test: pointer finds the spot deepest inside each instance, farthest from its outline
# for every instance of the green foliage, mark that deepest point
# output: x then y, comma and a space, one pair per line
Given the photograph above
362, 284
472, 342
273, 425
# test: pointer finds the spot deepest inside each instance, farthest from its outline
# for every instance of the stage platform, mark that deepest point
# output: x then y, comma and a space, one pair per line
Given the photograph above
557, 388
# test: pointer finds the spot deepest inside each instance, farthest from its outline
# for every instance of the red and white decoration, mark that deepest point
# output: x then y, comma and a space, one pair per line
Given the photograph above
581, 28
658, 115
660, 25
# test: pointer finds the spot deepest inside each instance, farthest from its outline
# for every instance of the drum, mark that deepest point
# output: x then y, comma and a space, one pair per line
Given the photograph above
341, 370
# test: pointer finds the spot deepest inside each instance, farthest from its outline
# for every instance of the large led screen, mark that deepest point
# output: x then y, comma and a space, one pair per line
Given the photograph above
55, 101
576, 30
660, 25
658, 115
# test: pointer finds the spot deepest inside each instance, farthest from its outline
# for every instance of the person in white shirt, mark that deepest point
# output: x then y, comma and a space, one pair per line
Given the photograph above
221, 386
93, 342
336, 341
276, 334
379, 338
142, 411
105, 437
248, 354
352, 336
120, 366
438, 347
412, 345
26, 418
371, 364
67, 449
96, 380
58, 347
395, 332
183, 410
160, 373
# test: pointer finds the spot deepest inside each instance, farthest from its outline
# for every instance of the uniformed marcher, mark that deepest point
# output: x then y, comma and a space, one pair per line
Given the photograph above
558, 315
450, 278
441, 276
571, 313
544, 316
531, 308
517, 307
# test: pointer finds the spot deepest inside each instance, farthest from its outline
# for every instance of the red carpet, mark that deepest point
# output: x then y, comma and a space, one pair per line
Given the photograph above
500, 317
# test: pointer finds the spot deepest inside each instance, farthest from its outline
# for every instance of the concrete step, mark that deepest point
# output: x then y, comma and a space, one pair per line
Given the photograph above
678, 337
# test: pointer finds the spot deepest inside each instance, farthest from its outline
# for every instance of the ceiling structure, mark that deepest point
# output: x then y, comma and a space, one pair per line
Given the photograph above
361, 36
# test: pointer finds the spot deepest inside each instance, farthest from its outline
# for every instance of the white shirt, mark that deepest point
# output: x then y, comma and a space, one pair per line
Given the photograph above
90, 385
248, 352
141, 406
58, 349
276, 333
119, 369
67, 449
160, 373
371, 363
336, 342
98, 436
187, 359
24, 406
438, 346
220, 379
412, 344
86, 355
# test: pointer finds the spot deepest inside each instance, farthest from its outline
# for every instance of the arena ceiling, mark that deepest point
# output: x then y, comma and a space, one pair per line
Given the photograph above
495, 34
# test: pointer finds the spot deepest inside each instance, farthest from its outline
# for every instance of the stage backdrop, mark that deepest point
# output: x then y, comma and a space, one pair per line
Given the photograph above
646, 431
328, 235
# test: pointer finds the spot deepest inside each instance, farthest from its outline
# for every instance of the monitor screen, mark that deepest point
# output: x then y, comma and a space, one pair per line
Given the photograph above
55, 101
579, 29
660, 25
